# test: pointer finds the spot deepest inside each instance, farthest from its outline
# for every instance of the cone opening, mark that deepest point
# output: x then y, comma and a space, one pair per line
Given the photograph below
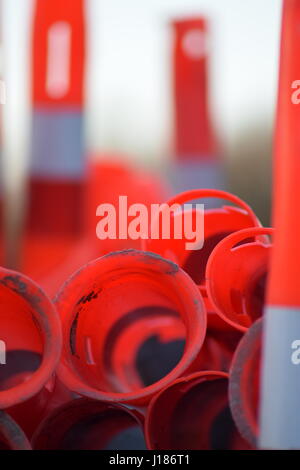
130, 326
11, 436
244, 384
129, 347
23, 338
193, 414
30, 339
90, 425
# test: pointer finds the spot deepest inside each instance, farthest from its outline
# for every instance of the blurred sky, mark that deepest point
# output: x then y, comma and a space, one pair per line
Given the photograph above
129, 105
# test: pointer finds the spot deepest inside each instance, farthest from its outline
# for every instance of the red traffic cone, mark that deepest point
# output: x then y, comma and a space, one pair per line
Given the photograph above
196, 163
193, 413
31, 345
84, 424
236, 276
115, 307
244, 383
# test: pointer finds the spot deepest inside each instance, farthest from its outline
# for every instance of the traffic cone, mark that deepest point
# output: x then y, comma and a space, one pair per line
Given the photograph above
279, 417
84, 424
193, 413
244, 383
221, 339
197, 164
115, 312
236, 276
30, 348
54, 242
217, 224
109, 177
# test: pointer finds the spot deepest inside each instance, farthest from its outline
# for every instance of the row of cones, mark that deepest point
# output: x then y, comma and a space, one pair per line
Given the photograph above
145, 341
197, 312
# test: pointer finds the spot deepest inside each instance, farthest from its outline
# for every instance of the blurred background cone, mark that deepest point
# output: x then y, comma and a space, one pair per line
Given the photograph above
196, 162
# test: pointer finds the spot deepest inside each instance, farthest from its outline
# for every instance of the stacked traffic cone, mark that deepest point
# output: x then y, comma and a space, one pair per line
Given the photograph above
54, 225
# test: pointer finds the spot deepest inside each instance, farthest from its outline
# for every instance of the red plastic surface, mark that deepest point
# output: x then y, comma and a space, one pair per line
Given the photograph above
49, 13
110, 178
56, 208
194, 137
283, 287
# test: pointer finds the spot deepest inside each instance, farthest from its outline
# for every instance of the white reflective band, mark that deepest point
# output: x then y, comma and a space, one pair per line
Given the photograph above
57, 147
194, 44
280, 385
58, 59
196, 174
